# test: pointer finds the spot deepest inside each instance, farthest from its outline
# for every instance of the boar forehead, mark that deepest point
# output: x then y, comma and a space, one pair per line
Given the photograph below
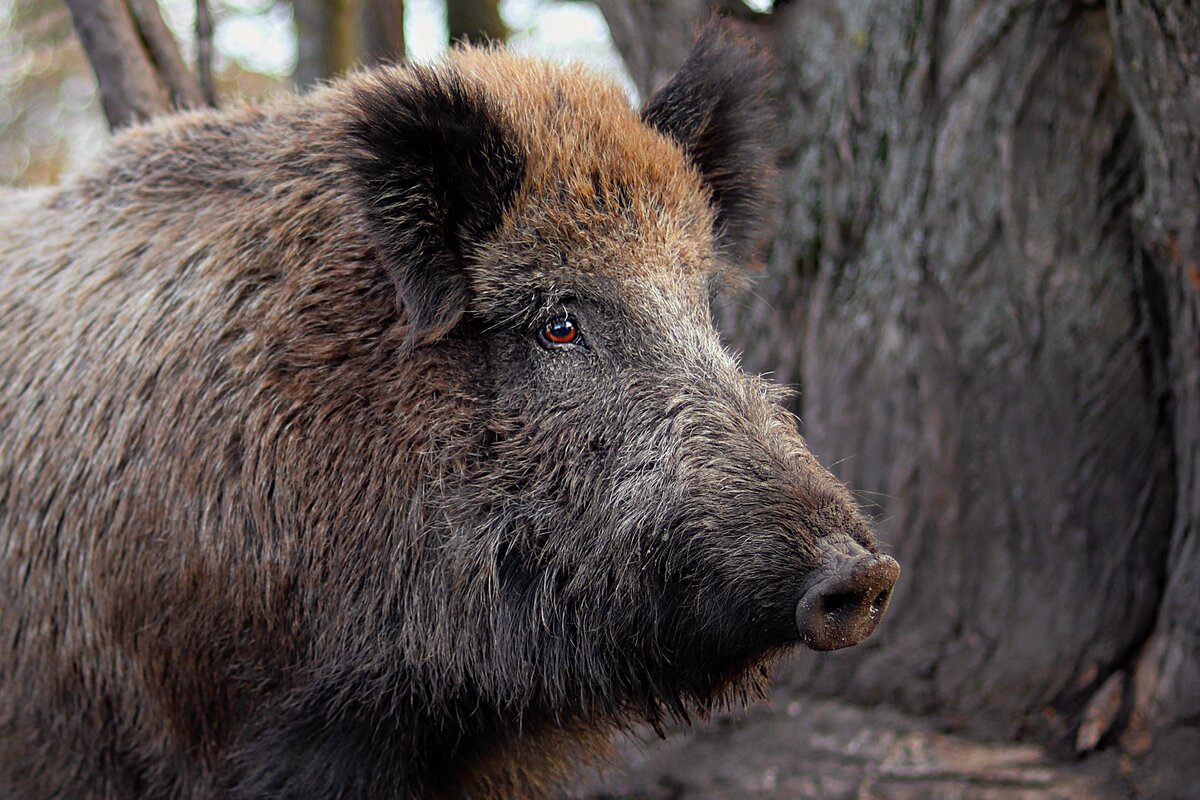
602, 195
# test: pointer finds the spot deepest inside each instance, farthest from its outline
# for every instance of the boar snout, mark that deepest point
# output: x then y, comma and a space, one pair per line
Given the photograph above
845, 599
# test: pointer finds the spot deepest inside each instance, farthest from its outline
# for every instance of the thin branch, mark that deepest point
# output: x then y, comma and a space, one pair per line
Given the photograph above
204, 52
164, 52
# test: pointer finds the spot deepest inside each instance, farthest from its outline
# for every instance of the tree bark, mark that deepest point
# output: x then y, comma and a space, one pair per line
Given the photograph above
476, 21
982, 287
1158, 61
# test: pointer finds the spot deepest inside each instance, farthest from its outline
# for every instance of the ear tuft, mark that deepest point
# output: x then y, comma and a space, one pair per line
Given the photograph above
716, 108
436, 170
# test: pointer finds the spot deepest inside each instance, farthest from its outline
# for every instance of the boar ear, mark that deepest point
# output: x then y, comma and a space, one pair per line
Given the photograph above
436, 170
716, 108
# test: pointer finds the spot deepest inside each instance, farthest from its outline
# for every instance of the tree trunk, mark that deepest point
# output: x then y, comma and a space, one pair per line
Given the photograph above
653, 37
1158, 60
204, 55
160, 45
328, 39
476, 21
382, 24
135, 58
985, 288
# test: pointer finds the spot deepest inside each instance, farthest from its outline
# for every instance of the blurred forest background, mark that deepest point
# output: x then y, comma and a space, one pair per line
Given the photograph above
986, 287
52, 119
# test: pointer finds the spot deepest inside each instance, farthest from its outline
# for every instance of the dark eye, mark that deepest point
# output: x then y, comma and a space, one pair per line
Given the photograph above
559, 332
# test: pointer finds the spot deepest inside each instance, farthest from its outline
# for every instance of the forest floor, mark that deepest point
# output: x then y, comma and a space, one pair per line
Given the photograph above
797, 748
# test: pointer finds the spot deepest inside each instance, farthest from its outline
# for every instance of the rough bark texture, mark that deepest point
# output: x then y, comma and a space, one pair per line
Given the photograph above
976, 355
985, 287
1158, 60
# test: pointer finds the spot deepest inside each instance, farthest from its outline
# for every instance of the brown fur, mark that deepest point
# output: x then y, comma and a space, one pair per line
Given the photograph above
259, 538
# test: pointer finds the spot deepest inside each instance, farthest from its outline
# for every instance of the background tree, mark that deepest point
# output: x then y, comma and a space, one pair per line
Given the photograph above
334, 35
382, 24
475, 21
327, 39
135, 58
986, 288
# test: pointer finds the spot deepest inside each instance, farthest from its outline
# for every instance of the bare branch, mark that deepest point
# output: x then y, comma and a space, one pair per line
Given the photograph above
204, 52
164, 53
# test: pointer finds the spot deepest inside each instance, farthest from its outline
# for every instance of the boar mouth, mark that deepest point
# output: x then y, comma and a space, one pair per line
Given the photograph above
844, 599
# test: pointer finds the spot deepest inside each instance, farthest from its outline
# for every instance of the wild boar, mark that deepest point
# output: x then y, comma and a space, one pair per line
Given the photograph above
379, 442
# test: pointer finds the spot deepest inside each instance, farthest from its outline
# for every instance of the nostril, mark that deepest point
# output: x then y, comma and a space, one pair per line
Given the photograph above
840, 602
881, 600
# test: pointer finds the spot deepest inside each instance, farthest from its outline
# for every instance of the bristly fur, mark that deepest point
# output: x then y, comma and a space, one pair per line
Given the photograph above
297, 502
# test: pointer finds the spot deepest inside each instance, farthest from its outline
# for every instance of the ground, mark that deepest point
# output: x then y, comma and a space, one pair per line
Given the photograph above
797, 748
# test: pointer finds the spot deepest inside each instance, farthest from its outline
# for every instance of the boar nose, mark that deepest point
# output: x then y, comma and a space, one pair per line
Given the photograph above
846, 600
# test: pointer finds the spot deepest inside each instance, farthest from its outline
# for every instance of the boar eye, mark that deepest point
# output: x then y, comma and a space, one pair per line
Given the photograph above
559, 331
